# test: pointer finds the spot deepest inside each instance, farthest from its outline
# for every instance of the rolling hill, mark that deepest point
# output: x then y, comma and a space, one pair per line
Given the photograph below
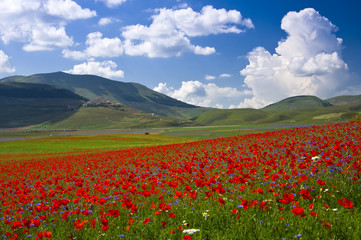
111, 118
299, 109
23, 104
132, 95
27, 100
297, 103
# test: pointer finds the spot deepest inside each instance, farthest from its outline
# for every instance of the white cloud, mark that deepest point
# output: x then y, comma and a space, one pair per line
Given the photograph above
105, 21
170, 31
113, 3
67, 9
225, 75
308, 61
162, 88
105, 69
97, 46
209, 77
182, 5
5, 64
77, 55
48, 38
40, 24
200, 94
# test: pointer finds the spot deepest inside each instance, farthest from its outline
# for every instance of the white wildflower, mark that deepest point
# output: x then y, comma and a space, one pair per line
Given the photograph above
190, 231
206, 214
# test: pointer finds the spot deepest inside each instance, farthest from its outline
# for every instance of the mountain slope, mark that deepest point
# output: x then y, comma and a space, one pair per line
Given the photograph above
23, 104
299, 109
111, 118
230, 116
133, 95
297, 103
344, 100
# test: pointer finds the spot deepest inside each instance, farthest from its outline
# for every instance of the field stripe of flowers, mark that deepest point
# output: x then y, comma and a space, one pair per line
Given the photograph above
289, 184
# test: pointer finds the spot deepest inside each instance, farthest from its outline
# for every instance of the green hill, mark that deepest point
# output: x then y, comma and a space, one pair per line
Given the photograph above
133, 95
23, 104
297, 103
345, 100
231, 116
299, 109
111, 118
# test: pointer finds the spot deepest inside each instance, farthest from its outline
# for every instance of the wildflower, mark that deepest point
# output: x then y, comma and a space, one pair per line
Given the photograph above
305, 194
313, 214
346, 203
298, 235
172, 215
315, 158
45, 234
146, 220
190, 231
206, 214
298, 211
234, 211
114, 212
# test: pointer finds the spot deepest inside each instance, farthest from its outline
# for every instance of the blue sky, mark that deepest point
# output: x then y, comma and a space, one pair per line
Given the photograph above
226, 54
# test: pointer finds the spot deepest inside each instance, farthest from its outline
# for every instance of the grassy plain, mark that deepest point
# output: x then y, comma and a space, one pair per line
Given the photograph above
56, 144
28, 144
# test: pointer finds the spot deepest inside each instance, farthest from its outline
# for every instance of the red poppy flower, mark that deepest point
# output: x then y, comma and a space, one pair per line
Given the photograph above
172, 215
298, 211
305, 194
146, 220
346, 203
114, 212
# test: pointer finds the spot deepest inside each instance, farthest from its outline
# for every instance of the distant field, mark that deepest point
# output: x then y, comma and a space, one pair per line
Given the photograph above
26, 144
57, 144
208, 132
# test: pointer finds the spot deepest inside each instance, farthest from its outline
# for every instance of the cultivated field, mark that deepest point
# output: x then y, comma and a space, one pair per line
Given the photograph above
287, 184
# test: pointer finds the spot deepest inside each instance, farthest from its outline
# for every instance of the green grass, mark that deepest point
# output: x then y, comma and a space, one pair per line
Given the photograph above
208, 132
275, 115
109, 118
297, 103
58, 144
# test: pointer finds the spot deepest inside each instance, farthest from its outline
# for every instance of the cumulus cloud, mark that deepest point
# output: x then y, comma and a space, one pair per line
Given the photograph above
225, 75
113, 3
206, 95
308, 61
209, 77
48, 38
5, 64
97, 46
67, 9
170, 31
106, 21
107, 69
40, 24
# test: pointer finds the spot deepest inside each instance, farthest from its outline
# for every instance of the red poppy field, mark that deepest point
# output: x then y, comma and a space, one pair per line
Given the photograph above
302, 183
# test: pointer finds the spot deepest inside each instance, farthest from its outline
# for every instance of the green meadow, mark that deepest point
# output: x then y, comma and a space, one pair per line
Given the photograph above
58, 144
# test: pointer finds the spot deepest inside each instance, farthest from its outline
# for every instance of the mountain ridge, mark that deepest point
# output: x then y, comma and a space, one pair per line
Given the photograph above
142, 104
133, 95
